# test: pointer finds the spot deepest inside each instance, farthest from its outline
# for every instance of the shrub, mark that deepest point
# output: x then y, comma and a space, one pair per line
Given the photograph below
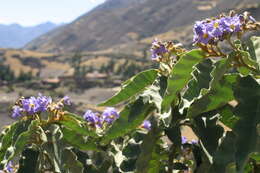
214, 92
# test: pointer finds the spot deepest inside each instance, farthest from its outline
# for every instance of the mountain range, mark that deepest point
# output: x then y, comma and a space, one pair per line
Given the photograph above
117, 22
117, 32
16, 36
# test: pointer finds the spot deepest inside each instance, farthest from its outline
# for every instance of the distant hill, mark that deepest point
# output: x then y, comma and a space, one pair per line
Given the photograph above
122, 21
16, 36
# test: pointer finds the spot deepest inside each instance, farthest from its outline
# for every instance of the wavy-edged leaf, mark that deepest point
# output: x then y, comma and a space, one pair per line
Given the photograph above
201, 79
180, 76
245, 56
70, 162
133, 86
71, 122
10, 135
219, 95
149, 158
131, 117
209, 132
22, 140
247, 93
225, 154
254, 49
78, 141
7, 139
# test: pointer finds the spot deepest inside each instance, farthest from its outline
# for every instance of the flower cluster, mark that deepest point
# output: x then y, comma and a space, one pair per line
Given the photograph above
34, 105
184, 140
210, 31
159, 49
108, 116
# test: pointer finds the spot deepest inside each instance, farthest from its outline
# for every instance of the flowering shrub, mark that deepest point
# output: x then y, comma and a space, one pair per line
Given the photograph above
214, 90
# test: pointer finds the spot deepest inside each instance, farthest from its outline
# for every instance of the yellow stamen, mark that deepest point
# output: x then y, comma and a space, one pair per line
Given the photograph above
205, 35
216, 25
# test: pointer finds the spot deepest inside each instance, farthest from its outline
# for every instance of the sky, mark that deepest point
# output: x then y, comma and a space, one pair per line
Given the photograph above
33, 12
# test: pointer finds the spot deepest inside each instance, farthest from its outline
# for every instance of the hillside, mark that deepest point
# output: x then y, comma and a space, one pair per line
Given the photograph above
122, 21
16, 36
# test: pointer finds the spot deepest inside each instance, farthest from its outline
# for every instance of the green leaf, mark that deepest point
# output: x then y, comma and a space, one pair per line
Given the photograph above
22, 140
28, 161
132, 87
25, 137
11, 134
224, 155
7, 138
77, 141
69, 121
70, 162
247, 93
209, 132
131, 117
149, 158
254, 49
201, 79
248, 60
132, 150
174, 134
255, 156
227, 116
219, 95
54, 147
180, 76
128, 165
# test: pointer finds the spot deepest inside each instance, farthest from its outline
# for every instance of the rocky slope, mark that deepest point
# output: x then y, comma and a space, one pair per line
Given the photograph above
122, 21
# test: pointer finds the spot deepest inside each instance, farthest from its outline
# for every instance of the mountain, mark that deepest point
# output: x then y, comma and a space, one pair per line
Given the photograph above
122, 21
16, 36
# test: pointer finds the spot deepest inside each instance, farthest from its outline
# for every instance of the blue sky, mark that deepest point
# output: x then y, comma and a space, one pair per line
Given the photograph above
33, 12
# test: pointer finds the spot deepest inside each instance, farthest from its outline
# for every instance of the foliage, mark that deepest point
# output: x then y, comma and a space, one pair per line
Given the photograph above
7, 74
214, 92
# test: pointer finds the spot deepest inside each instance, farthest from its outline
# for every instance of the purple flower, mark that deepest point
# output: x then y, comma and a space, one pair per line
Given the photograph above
66, 100
158, 49
110, 114
9, 167
17, 112
194, 142
92, 118
146, 125
211, 31
203, 32
234, 24
34, 105
42, 103
184, 140
29, 105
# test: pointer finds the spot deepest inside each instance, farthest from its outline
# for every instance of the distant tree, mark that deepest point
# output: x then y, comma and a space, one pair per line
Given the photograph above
23, 76
6, 74
80, 71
